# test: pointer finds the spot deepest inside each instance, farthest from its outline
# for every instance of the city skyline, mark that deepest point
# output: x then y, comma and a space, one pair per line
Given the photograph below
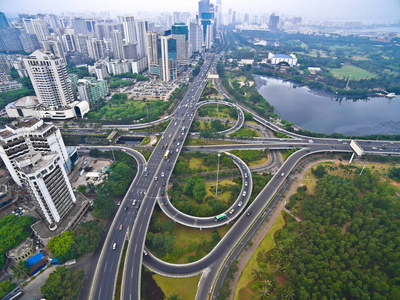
357, 10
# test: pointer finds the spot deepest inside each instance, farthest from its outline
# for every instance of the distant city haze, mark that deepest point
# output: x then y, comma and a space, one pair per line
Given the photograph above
367, 11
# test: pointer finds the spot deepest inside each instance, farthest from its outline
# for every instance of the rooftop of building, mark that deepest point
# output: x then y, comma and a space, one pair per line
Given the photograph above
20, 249
282, 56
39, 162
26, 102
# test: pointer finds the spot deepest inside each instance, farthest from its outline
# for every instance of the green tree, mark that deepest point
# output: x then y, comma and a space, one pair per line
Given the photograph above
81, 189
199, 190
6, 287
63, 283
319, 172
167, 226
20, 270
174, 297
62, 244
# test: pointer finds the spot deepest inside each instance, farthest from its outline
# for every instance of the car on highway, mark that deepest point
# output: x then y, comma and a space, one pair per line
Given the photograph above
155, 178
177, 149
165, 203
134, 202
163, 183
144, 252
162, 174
168, 167
114, 246
126, 208
162, 193
245, 184
231, 211
244, 193
249, 213
119, 203
240, 203
120, 227
283, 174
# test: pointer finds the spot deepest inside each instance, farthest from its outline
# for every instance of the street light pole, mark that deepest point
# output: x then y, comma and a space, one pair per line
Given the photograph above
112, 150
216, 189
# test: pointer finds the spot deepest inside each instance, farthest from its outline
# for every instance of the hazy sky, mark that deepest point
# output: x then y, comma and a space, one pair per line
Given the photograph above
365, 10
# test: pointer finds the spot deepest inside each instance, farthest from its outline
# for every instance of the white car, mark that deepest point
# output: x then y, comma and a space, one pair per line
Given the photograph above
162, 174
244, 193
245, 184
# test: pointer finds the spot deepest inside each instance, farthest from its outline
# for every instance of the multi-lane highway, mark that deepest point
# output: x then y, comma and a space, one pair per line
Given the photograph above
141, 196
132, 220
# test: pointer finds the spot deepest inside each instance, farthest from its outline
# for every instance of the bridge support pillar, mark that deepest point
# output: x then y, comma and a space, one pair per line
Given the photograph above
351, 159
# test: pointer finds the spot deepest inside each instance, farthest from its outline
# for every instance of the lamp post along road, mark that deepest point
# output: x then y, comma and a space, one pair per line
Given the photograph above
112, 150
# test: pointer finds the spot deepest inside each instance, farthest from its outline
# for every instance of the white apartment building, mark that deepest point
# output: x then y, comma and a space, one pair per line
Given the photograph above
49, 77
48, 184
28, 137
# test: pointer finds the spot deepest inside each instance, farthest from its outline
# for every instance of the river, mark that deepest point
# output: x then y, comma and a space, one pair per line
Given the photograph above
324, 114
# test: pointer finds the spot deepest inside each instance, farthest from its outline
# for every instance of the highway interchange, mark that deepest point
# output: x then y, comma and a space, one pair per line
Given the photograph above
150, 185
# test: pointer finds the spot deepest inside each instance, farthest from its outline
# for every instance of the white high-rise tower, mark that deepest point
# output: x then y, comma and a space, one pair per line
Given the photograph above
49, 77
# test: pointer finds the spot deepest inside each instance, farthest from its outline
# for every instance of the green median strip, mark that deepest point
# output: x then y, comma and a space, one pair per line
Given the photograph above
117, 295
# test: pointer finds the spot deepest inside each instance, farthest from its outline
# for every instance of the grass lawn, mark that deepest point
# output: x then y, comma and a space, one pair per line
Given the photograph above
186, 288
246, 132
357, 57
195, 163
145, 141
251, 123
224, 196
258, 162
184, 236
355, 72
267, 244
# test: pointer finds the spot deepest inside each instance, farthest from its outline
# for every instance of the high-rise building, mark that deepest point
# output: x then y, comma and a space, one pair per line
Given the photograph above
49, 78
80, 44
79, 25
30, 136
38, 27
129, 29
168, 58
204, 7
95, 48
180, 32
29, 42
48, 184
153, 52
9, 40
195, 37
117, 44
69, 42
141, 37
3, 21
92, 90
35, 156
273, 22
54, 46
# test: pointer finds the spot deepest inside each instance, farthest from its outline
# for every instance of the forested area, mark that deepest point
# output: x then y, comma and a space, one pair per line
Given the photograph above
120, 108
13, 231
345, 247
63, 283
189, 198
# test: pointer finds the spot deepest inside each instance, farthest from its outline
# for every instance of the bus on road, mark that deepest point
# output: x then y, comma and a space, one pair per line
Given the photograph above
219, 217
166, 154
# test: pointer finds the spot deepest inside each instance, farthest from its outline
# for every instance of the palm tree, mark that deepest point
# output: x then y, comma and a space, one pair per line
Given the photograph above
265, 290
287, 293
258, 274
20, 270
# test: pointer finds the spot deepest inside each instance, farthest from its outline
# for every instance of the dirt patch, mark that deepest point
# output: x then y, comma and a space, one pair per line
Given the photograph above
281, 279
